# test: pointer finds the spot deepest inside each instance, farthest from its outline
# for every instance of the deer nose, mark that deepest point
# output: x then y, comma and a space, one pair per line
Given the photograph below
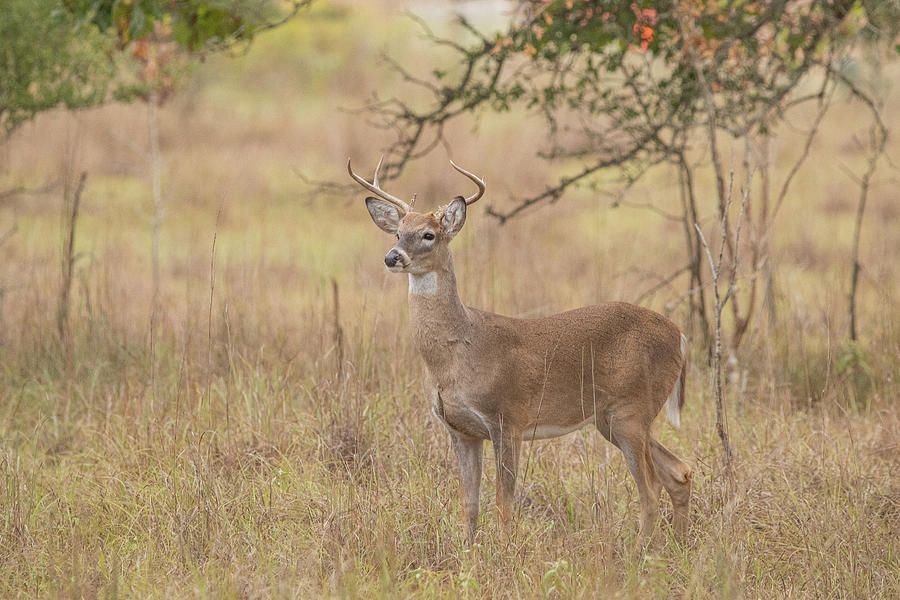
392, 258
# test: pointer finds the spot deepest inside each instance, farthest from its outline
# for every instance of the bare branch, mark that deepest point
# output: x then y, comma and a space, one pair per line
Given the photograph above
553, 194
8, 234
823, 108
879, 140
62, 312
49, 186
663, 283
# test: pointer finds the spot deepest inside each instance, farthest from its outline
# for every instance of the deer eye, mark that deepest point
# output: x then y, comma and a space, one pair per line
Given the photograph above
428, 236
398, 235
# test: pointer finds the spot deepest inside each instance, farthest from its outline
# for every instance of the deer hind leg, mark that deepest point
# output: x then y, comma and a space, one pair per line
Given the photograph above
675, 475
634, 442
506, 456
469, 452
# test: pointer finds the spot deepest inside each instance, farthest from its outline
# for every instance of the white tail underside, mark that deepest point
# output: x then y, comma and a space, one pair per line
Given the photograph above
673, 404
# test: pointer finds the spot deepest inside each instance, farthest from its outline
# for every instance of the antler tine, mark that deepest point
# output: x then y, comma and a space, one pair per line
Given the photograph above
478, 181
377, 168
375, 189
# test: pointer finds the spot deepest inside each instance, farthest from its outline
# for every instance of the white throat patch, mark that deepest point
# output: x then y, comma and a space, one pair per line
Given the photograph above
423, 285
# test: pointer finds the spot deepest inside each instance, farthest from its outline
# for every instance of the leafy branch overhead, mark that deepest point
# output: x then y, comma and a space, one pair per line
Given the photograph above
48, 60
618, 83
76, 53
195, 24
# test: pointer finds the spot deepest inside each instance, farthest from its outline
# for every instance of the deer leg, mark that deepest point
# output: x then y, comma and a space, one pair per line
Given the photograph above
469, 451
506, 455
635, 446
675, 475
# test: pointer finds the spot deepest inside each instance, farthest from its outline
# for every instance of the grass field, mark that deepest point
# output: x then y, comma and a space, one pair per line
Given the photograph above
274, 440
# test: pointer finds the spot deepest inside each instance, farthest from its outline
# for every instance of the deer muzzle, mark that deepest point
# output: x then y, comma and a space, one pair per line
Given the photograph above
396, 260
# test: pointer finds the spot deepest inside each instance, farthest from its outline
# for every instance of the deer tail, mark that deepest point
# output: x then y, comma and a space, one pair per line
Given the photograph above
675, 401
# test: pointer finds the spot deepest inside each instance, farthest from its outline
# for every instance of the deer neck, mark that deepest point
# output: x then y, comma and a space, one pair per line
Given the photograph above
436, 313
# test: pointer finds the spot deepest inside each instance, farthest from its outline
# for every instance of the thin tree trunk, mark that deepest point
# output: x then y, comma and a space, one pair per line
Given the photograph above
878, 148
697, 295
68, 267
156, 185
153, 102
765, 171
742, 322
878, 136
338, 332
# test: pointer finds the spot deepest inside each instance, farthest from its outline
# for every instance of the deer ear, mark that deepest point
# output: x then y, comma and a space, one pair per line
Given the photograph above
454, 216
385, 214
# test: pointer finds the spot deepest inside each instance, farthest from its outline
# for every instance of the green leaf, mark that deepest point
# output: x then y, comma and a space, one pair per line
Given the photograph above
182, 33
137, 24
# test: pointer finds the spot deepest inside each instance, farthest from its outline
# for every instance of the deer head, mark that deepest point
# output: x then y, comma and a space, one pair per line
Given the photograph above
422, 238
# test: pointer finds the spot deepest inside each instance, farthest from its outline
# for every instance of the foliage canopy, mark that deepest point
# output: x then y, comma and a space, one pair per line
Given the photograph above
72, 52
48, 57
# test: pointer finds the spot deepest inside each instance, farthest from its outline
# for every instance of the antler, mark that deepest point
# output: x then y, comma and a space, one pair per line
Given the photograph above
375, 189
478, 181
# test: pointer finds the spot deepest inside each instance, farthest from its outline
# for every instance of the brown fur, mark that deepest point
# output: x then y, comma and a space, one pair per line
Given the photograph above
508, 380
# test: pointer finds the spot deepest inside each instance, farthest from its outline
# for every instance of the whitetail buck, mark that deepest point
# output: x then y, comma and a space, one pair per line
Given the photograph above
506, 380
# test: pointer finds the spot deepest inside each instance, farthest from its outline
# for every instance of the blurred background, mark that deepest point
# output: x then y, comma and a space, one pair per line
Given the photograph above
263, 432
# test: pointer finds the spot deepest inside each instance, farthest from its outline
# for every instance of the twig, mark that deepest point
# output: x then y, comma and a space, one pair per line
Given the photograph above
11, 192
22, 190
62, 313
879, 137
325, 186
338, 330
878, 144
8, 234
806, 148
661, 284
212, 289
554, 193
690, 215
153, 103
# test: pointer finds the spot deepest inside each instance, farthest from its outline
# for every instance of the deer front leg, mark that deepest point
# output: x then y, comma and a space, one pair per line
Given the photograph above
506, 456
469, 452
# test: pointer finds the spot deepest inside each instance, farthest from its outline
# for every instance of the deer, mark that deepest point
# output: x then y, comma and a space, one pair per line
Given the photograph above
509, 380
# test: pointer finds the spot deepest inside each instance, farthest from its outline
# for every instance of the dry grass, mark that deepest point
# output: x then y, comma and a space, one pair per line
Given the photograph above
245, 462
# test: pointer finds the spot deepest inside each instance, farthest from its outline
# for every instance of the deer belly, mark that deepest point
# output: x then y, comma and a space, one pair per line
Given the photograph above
545, 431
